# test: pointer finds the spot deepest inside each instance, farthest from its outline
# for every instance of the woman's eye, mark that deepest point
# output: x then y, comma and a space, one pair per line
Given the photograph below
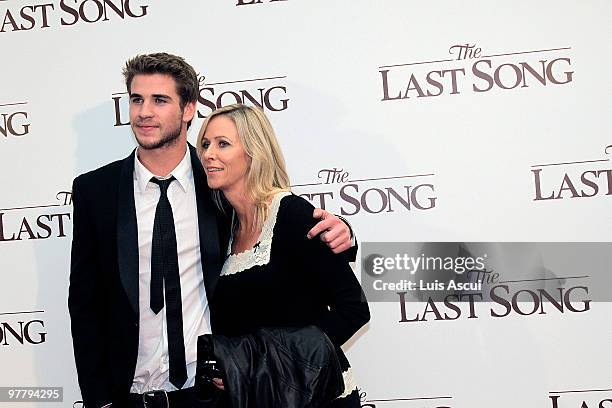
205, 145
223, 143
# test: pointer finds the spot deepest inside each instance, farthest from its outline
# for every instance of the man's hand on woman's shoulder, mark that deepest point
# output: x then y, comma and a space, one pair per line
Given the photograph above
334, 231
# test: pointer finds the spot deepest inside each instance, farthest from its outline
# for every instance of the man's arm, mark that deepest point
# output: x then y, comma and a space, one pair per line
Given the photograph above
86, 306
335, 232
336, 284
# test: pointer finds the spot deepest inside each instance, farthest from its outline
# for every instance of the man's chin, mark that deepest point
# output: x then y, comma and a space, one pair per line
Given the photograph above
158, 141
148, 144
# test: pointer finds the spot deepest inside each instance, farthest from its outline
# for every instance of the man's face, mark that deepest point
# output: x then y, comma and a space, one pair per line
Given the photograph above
156, 116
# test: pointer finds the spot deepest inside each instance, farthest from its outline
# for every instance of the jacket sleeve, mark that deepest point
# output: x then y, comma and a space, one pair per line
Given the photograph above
347, 308
87, 306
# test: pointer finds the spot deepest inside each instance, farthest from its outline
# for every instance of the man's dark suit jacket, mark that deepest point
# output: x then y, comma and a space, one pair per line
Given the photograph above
103, 294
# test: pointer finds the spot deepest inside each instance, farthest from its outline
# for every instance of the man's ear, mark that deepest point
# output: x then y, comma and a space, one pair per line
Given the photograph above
189, 111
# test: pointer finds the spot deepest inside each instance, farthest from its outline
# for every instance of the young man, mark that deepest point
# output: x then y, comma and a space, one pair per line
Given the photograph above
148, 246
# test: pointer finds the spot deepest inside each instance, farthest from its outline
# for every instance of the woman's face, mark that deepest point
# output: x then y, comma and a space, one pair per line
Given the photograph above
225, 161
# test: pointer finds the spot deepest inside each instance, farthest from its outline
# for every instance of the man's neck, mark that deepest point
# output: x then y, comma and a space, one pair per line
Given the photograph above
162, 161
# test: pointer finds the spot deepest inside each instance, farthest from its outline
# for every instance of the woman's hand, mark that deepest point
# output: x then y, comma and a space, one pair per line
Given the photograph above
218, 382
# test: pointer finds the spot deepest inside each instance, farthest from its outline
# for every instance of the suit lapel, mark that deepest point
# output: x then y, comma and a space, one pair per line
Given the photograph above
127, 233
208, 227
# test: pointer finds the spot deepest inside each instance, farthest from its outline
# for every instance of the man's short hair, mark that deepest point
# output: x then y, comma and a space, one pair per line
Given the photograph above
163, 63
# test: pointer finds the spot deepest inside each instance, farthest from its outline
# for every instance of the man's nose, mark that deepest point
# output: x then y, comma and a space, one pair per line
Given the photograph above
145, 110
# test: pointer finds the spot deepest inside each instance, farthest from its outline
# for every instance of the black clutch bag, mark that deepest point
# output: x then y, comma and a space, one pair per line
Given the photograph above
207, 368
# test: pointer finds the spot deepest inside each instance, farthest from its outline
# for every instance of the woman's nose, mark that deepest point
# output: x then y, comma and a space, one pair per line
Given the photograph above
208, 154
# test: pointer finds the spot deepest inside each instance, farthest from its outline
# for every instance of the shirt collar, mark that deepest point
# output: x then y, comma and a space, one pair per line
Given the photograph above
182, 172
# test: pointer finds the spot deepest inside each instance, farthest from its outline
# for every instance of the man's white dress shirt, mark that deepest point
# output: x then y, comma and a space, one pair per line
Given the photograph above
152, 368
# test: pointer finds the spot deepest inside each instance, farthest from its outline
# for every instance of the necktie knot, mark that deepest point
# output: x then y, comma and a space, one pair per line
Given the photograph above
163, 184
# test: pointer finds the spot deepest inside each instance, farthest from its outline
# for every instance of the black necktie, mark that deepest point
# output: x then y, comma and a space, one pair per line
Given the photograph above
165, 275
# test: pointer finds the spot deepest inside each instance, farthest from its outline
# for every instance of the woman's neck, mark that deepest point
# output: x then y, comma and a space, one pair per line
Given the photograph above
244, 207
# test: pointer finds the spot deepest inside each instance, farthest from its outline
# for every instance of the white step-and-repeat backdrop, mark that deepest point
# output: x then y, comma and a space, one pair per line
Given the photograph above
472, 121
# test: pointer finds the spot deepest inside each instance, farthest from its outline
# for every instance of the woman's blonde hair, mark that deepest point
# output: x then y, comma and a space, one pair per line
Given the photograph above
267, 172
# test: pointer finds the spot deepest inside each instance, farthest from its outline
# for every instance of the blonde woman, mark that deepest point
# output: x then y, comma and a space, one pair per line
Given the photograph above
273, 275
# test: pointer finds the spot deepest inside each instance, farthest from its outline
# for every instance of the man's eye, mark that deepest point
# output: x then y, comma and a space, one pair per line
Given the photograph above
136, 100
160, 100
